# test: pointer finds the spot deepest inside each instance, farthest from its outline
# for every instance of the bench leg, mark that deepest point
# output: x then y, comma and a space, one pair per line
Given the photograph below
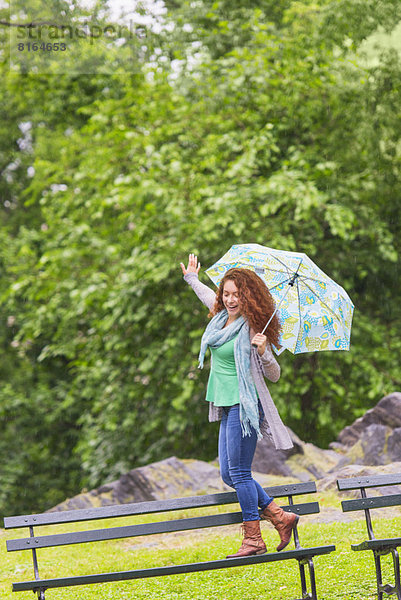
396, 565
303, 579
387, 588
312, 578
312, 595
379, 580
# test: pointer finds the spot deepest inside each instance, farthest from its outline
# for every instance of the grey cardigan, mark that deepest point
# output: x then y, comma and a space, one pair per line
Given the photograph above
261, 367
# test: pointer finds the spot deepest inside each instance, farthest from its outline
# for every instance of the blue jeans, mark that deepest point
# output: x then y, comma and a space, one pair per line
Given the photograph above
235, 457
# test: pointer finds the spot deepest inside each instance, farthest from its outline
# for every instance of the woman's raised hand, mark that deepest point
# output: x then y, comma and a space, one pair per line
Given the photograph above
193, 265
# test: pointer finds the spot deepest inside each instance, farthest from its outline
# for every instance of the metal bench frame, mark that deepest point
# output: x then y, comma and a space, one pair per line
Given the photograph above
379, 547
304, 556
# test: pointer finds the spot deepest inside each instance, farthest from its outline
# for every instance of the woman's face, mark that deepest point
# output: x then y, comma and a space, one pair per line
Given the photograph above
231, 299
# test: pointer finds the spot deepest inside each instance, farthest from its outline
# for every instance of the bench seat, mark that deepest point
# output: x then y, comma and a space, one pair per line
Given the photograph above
381, 544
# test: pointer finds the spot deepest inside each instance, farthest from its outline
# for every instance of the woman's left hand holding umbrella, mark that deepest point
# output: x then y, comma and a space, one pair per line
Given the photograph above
259, 341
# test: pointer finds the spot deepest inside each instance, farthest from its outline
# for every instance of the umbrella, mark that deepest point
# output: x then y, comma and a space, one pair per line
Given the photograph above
315, 312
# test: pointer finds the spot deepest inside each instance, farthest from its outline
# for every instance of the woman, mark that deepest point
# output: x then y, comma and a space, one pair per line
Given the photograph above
238, 395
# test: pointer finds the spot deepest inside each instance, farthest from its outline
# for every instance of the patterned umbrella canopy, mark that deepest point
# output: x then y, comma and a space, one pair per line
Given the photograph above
315, 312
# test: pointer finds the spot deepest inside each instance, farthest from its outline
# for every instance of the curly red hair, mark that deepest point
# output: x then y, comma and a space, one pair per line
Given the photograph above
256, 302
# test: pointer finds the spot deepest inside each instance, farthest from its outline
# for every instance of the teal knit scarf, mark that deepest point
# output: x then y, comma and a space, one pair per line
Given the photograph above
216, 336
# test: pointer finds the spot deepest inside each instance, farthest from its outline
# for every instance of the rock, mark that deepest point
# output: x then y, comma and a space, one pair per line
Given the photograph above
269, 460
371, 445
387, 412
369, 449
394, 445
303, 462
169, 478
312, 463
329, 481
375, 438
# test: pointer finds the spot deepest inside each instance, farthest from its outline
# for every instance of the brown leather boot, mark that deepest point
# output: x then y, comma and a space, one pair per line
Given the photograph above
283, 522
252, 542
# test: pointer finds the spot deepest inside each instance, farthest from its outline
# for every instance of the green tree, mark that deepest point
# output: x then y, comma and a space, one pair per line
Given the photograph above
283, 135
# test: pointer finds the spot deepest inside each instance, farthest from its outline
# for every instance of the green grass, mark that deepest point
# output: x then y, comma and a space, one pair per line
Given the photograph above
344, 575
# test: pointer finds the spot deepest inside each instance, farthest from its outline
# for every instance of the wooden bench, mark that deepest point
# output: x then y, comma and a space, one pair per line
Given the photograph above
379, 547
304, 556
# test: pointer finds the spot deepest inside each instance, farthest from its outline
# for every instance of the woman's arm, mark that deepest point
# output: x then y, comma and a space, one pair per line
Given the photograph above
204, 293
271, 368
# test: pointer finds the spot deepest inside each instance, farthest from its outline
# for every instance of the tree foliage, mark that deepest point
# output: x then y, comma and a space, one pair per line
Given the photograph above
264, 124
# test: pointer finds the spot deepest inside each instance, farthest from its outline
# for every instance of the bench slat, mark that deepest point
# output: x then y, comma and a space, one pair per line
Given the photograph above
172, 570
354, 483
153, 506
377, 544
373, 502
96, 535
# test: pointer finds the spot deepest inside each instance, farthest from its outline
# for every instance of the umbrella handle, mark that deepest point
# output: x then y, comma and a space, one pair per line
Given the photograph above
265, 327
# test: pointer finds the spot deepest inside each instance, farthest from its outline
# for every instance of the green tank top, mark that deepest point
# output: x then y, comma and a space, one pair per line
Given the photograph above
222, 387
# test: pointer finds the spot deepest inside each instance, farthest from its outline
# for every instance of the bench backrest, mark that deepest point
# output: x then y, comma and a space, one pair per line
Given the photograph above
366, 503
34, 542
